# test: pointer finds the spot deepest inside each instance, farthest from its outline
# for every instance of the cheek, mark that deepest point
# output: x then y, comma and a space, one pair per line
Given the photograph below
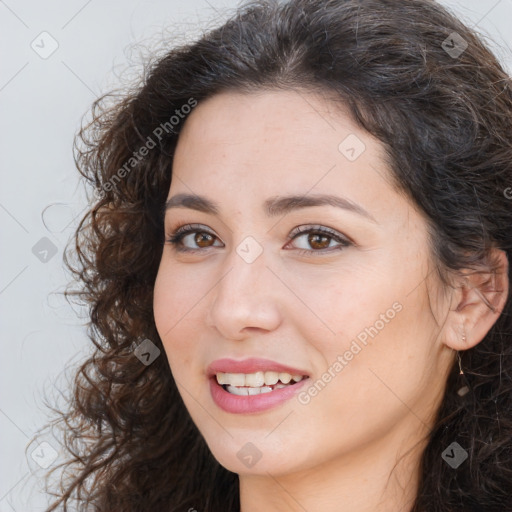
366, 388
379, 323
343, 301
163, 303
178, 308
173, 298
170, 307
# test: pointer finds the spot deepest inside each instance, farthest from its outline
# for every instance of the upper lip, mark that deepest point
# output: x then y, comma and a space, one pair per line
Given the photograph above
251, 365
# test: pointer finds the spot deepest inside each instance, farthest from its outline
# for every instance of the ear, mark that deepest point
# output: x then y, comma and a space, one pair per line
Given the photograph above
477, 302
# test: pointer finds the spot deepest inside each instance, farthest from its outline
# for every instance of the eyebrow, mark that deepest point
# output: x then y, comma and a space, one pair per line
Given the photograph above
272, 207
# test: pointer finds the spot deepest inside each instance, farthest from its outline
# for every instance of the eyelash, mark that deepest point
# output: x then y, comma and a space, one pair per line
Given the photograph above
175, 239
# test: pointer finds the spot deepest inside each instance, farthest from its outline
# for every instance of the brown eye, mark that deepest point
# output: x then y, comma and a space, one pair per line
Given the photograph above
316, 242
191, 234
318, 239
202, 238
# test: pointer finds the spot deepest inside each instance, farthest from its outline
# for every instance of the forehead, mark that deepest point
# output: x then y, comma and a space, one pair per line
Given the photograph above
270, 132
242, 149
296, 117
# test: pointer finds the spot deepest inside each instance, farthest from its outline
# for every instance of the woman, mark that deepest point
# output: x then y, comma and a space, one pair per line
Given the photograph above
297, 267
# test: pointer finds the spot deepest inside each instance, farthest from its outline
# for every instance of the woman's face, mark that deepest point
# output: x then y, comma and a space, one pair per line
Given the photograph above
343, 302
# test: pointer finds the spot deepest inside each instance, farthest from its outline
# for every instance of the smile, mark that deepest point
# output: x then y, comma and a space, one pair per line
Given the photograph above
249, 399
251, 384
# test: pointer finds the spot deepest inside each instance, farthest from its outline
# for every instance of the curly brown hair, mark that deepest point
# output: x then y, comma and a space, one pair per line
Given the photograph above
446, 123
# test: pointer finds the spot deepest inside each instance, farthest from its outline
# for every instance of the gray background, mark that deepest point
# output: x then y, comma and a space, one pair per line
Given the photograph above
42, 101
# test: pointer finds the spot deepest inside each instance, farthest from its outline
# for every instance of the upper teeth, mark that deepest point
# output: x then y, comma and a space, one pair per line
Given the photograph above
257, 379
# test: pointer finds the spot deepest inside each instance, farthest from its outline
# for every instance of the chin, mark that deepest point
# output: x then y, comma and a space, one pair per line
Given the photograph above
243, 456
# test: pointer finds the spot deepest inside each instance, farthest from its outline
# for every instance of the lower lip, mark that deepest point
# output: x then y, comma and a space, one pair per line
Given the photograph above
254, 403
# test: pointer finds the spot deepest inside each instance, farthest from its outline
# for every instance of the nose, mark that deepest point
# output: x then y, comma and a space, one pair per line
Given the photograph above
245, 299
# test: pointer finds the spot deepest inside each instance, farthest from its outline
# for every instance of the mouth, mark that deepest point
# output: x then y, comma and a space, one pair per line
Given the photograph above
250, 384
253, 385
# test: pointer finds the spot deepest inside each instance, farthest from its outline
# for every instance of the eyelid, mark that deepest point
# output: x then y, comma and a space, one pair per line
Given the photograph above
306, 228
189, 227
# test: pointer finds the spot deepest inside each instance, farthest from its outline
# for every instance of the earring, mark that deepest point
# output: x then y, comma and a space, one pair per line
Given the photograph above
464, 389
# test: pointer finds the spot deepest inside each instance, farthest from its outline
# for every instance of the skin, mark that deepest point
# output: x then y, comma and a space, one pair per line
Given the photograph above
338, 451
